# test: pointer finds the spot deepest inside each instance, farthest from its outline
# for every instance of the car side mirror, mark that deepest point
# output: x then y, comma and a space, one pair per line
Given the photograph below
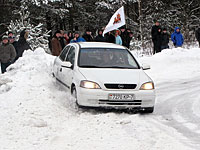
66, 64
145, 67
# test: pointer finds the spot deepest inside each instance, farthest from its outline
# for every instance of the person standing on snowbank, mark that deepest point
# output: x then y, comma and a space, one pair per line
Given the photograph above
165, 39
56, 44
22, 44
197, 35
177, 37
7, 53
158, 43
154, 35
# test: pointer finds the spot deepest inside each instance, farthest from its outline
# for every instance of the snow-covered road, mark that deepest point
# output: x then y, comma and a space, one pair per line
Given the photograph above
180, 108
38, 113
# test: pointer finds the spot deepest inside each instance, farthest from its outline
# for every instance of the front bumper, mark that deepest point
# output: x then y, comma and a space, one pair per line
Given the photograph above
99, 98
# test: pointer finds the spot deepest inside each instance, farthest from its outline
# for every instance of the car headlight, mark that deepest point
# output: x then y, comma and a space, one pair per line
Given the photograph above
89, 85
147, 86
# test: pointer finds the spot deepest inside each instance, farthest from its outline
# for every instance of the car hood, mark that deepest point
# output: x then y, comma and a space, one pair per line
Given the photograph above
125, 76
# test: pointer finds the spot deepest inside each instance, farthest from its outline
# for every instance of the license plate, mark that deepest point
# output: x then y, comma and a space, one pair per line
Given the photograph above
121, 97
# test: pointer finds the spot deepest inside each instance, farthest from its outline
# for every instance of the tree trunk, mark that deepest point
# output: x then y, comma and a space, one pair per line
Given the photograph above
140, 21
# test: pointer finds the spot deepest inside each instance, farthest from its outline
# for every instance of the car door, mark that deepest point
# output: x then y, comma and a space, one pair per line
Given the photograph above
60, 59
67, 73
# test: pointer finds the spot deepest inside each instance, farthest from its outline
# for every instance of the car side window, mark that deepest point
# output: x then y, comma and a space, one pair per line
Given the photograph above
71, 55
64, 52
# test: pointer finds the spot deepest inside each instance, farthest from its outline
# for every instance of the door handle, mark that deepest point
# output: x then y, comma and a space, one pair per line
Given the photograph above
60, 69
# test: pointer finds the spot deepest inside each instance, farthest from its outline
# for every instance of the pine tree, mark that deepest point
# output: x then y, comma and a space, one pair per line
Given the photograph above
38, 37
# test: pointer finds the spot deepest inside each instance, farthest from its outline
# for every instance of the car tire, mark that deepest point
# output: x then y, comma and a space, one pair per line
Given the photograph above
74, 94
147, 110
53, 74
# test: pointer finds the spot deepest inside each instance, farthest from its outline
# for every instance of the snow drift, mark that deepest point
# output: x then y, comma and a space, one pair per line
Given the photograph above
38, 113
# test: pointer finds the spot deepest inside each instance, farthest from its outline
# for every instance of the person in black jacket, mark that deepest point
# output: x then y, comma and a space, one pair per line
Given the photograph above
22, 44
99, 37
62, 40
154, 34
129, 38
165, 39
14, 43
110, 38
158, 40
197, 34
125, 36
88, 36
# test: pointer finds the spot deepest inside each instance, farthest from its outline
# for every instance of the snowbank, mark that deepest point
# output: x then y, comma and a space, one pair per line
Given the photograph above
38, 113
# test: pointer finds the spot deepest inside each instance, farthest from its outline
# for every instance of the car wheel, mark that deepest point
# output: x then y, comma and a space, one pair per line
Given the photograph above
74, 94
148, 110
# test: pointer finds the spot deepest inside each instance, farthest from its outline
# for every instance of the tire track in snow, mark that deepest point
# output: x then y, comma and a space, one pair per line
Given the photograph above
175, 103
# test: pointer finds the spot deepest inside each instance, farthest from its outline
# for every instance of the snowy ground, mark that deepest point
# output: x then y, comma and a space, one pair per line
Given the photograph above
36, 113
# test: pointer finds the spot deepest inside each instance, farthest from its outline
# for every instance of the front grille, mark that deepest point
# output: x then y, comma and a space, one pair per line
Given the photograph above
120, 86
121, 102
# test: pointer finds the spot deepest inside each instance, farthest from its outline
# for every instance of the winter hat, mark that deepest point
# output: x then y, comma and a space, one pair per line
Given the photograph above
123, 27
58, 31
65, 32
164, 29
5, 37
77, 32
11, 37
128, 29
130, 32
99, 31
22, 33
118, 32
10, 32
176, 29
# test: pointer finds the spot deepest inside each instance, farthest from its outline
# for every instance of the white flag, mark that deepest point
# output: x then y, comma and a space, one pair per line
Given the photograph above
116, 21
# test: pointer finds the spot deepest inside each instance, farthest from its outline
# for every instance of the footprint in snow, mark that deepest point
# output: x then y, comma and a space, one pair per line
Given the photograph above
4, 86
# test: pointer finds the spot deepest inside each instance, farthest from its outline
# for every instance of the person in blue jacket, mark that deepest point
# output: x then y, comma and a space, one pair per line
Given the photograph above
77, 38
177, 37
118, 39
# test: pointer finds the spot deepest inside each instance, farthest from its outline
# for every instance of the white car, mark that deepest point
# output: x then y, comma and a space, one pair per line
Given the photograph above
104, 75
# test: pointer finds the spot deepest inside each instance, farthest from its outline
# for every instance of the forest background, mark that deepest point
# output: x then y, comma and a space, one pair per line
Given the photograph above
71, 15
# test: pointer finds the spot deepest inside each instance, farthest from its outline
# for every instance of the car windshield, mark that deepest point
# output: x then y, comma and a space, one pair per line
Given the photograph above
106, 58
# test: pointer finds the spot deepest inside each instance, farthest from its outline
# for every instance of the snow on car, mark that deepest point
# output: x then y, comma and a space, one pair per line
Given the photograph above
104, 75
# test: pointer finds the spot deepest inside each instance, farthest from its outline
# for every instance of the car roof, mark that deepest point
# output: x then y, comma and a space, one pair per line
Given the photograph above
99, 45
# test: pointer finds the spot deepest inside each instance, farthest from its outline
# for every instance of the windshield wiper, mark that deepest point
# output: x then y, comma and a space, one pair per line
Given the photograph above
121, 67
